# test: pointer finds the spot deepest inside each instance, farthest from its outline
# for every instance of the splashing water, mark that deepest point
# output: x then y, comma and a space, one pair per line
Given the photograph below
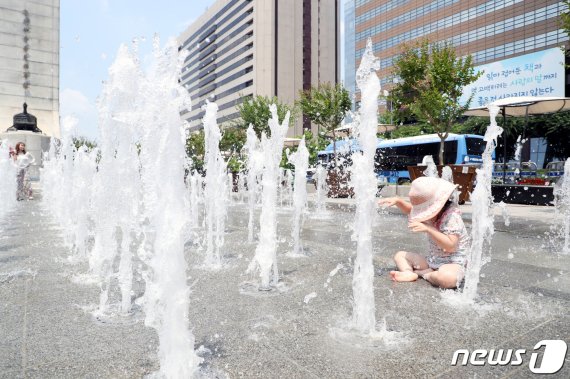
321, 194
195, 180
288, 188
482, 220
116, 186
505, 213
265, 259
137, 194
80, 200
167, 297
254, 168
562, 205
216, 192
431, 170
280, 188
7, 187
58, 176
300, 159
518, 148
447, 174
364, 181
241, 186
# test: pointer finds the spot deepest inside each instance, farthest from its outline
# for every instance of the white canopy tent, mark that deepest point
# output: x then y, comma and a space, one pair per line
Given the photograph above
524, 106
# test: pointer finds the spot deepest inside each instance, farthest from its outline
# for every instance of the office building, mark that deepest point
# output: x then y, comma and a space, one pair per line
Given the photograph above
241, 48
349, 47
490, 31
29, 62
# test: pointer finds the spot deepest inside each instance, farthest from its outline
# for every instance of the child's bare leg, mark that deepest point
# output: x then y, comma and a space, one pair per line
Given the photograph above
407, 263
447, 276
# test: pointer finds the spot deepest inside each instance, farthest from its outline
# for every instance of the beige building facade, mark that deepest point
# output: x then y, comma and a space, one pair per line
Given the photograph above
29, 62
241, 48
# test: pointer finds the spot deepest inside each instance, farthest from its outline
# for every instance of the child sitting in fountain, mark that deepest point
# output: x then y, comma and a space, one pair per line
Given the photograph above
432, 211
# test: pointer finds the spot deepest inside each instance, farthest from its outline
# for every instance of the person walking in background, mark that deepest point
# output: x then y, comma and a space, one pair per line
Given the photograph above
23, 160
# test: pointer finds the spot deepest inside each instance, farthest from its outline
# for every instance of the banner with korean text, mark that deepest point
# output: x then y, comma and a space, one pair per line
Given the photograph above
536, 74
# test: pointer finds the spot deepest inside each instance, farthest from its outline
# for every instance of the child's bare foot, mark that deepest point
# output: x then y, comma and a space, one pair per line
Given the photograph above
421, 273
403, 276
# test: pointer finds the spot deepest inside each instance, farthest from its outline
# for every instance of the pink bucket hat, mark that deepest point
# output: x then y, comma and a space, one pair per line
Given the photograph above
428, 195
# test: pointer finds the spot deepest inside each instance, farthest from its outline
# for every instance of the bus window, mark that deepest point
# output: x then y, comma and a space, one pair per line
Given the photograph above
428, 149
450, 152
475, 146
323, 159
400, 157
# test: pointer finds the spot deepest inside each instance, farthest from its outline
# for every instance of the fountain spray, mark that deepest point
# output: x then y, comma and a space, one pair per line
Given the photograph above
300, 159
562, 195
116, 185
364, 181
216, 192
254, 167
321, 180
265, 259
482, 220
7, 187
167, 296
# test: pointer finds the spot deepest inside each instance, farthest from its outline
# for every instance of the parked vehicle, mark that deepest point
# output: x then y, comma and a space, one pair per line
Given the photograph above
516, 173
554, 171
394, 156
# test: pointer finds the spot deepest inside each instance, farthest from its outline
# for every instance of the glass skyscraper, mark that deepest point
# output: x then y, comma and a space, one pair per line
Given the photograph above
488, 30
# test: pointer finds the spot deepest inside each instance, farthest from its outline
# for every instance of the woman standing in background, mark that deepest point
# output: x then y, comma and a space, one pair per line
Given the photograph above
23, 161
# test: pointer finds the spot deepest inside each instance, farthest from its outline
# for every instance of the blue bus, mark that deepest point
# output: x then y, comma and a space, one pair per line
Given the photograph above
344, 149
393, 156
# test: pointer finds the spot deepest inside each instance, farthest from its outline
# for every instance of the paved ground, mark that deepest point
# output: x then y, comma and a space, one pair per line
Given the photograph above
46, 330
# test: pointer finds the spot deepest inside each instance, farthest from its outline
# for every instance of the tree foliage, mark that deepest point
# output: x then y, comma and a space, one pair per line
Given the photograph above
313, 145
233, 139
326, 106
195, 149
84, 141
255, 111
231, 145
431, 81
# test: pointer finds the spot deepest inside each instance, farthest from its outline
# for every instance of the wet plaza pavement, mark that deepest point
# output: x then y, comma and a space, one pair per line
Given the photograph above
47, 329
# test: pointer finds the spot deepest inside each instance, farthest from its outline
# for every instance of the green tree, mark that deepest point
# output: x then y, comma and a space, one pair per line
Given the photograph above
231, 144
314, 145
84, 141
233, 139
431, 81
411, 130
195, 149
326, 106
255, 111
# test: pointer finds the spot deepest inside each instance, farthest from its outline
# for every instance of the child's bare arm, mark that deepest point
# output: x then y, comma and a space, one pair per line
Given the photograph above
447, 242
402, 204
